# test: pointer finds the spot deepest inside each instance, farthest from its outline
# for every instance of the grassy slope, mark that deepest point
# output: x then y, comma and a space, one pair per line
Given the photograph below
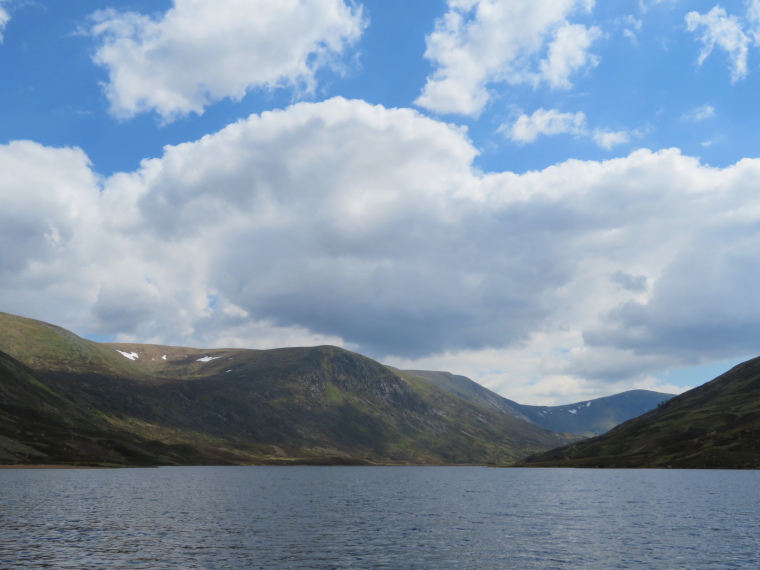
586, 419
38, 425
470, 391
38, 344
250, 406
466, 420
716, 425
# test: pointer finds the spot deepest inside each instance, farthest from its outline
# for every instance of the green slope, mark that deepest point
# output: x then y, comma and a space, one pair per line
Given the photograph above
470, 391
250, 406
587, 418
42, 345
716, 425
38, 425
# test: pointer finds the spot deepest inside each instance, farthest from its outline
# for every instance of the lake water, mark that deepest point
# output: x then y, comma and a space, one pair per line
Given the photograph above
378, 517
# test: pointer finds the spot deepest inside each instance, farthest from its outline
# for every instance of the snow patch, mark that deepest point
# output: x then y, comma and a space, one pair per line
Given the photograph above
130, 355
228, 371
208, 358
164, 357
573, 411
588, 404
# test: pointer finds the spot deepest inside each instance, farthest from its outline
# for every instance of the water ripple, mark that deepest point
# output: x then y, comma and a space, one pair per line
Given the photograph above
375, 517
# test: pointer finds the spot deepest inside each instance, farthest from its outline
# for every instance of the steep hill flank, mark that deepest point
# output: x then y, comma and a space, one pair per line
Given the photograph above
716, 425
38, 425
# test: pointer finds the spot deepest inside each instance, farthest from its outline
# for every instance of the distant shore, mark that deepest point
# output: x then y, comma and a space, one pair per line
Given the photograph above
51, 467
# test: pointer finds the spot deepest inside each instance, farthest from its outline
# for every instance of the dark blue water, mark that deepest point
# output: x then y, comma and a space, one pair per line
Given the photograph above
379, 517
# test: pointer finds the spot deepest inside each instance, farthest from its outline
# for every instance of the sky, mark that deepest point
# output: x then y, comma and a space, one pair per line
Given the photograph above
559, 199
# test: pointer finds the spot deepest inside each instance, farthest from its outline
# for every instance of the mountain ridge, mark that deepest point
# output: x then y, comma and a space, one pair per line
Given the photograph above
589, 418
586, 418
316, 404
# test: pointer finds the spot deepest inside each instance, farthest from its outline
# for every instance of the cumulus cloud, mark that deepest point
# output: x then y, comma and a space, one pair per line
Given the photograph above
717, 28
543, 122
480, 42
345, 223
527, 128
200, 52
49, 213
703, 306
328, 212
567, 53
610, 139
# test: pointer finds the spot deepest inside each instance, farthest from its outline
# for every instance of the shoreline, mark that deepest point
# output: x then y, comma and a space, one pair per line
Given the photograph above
31, 466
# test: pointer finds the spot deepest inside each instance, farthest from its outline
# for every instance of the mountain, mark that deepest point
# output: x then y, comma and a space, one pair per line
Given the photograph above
470, 391
594, 417
587, 418
39, 425
174, 405
716, 425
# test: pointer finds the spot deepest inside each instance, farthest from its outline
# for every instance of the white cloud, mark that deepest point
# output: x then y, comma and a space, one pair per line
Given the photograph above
480, 42
200, 52
568, 52
753, 19
527, 128
610, 139
5, 17
718, 28
345, 223
700, 113
543, 122
49, 215
631, 26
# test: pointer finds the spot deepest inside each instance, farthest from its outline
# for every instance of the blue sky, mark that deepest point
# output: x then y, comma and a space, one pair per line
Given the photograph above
557, 198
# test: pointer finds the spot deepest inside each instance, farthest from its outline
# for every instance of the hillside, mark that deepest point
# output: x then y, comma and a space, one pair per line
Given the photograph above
28, 408
39, 425
470, 391
320, 404
587, 418
716, 425
594, 417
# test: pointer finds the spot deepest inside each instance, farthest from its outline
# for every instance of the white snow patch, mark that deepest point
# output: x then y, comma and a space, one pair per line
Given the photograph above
130, 355
208, 358
228, 371
588, 404
164, 357
573, 411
